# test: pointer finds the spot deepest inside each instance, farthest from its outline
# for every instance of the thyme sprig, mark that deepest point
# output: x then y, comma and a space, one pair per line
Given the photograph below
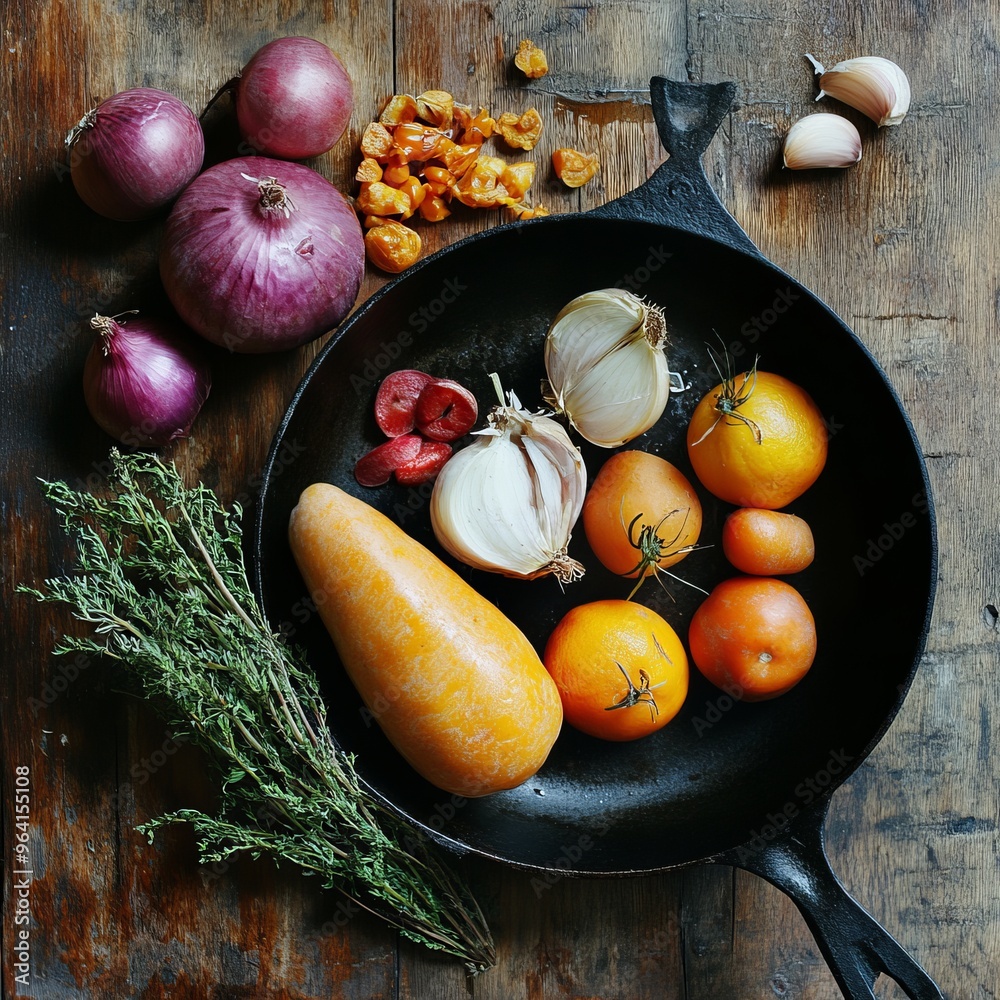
161, 580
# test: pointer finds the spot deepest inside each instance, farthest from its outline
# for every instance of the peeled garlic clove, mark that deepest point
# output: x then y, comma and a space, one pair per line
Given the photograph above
508, 502
607, 371
873, 85
822, 140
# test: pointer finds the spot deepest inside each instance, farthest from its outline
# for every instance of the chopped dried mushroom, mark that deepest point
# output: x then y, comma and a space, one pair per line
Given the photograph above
574, 168
392, 246
520, 131
530, 60
426, 151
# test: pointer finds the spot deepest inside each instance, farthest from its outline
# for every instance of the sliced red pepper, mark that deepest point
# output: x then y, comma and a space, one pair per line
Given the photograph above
396, 400
427, 464
445, 411
375, 468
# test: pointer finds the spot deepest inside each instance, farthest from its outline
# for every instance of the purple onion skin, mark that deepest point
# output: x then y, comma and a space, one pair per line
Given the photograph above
293, 99
144, 380
135, 152
249, 277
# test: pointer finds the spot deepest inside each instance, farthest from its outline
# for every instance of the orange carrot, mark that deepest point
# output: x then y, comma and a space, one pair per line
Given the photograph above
455, 685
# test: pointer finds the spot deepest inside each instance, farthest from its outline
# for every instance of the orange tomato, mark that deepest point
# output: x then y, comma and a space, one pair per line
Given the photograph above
754, 635
641, 514
767, 542
620, 669
757, 440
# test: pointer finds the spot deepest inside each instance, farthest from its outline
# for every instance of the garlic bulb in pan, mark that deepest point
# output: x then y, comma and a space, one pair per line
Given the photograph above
507, 503
607, 371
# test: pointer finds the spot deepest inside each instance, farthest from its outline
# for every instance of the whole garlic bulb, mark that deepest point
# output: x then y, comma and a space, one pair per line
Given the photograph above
507, 503
607, 371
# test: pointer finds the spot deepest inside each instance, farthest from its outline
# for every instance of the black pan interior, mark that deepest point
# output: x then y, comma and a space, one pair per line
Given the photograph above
720, 771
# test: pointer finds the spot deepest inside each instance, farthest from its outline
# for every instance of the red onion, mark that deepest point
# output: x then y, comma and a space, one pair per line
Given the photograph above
293, 99
135, 152
144, 380
262, 255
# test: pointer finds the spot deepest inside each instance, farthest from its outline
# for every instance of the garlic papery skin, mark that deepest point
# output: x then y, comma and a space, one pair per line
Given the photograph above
607, 371
822, 140
873, 85
508, 502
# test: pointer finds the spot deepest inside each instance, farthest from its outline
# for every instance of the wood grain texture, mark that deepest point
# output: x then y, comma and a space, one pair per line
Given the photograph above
901, 246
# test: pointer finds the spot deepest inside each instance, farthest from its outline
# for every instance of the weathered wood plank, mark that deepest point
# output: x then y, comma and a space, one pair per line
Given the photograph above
884, 245
112, 915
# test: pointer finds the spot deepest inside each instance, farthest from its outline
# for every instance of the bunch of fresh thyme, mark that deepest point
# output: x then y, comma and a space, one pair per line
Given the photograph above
162, 581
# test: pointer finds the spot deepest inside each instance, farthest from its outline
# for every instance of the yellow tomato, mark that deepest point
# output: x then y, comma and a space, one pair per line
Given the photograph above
757, 440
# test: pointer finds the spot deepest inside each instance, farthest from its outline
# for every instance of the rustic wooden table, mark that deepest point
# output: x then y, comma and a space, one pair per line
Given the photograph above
901, 246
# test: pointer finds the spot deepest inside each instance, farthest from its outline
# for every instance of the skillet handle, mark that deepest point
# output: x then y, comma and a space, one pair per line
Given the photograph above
856, 947
687, 116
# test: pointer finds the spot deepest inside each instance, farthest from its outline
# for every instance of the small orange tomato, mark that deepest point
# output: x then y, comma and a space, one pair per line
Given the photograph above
767, 542
753, 635
620, 669
379, 198
641, 514
419, 142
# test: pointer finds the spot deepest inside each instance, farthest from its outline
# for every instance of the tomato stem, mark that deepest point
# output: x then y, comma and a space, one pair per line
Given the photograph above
651, 546
730, 398
637, 695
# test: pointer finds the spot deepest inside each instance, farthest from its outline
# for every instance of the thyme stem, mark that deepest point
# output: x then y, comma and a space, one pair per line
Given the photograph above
175, 608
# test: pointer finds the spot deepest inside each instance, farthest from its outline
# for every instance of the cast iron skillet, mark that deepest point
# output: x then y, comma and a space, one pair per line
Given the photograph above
725, 782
